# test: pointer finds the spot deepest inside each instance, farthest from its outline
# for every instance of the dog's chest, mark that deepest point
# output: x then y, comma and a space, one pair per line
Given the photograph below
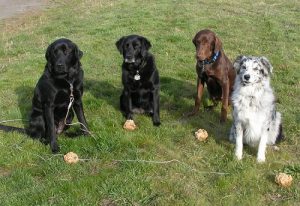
62, 98
249, 107
205, 72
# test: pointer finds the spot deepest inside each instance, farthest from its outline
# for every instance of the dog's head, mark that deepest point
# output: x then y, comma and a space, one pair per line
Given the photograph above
62, 56
206, 43
133, 48
251, 69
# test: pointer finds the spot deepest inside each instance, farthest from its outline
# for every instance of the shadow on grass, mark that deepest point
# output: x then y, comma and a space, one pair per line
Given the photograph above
25, 94
176, 97
103, 90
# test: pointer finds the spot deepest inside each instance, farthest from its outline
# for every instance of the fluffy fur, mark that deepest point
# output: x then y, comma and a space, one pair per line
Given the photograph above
140, 78
256, 121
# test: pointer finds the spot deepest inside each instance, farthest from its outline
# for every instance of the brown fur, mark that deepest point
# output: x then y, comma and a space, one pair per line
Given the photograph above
219, 76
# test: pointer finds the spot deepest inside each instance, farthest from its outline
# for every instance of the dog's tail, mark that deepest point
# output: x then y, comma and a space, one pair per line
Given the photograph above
12, 129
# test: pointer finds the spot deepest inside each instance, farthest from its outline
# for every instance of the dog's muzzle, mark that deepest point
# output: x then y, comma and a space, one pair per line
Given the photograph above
129, 60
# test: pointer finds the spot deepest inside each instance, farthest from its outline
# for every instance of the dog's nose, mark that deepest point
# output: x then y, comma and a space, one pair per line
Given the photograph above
247, 76
59, 65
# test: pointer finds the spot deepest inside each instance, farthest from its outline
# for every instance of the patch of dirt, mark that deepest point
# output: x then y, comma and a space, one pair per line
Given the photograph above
4, 172
11, 8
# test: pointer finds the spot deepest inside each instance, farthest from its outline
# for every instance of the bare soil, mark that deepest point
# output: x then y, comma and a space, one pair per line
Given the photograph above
12, 8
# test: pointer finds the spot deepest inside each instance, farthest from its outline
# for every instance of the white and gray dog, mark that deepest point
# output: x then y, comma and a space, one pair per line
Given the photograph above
255, 120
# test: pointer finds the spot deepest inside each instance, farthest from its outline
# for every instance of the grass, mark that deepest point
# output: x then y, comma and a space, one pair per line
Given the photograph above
31, 175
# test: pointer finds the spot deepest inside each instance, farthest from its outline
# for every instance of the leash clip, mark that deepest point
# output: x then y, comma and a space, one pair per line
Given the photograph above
71, 96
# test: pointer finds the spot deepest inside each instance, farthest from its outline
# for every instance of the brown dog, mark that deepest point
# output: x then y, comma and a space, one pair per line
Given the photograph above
214, 69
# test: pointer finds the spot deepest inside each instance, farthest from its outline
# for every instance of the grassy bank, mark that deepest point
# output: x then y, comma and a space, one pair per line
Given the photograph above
201, 173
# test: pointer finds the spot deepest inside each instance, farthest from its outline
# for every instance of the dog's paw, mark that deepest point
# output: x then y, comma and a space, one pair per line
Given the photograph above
86, 133
239, 156
223, 120
261, 159
156, 123
54, 147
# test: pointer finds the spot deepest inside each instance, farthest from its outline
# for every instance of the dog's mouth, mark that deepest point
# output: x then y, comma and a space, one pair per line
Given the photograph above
245, 82
60, 74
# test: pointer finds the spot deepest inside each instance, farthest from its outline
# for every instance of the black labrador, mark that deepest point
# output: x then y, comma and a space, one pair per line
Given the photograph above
140, 78
59, 88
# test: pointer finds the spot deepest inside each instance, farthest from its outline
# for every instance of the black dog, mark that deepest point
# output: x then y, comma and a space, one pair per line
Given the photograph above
139, 77
61, 81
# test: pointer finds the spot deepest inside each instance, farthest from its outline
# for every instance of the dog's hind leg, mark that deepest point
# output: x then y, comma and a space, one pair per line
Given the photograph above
36, 127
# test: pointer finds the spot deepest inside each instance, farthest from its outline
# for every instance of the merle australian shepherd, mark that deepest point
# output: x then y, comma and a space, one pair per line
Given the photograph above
256, 121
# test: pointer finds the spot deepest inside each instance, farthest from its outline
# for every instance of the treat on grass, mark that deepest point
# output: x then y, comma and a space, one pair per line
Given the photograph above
201, 134
71, 158
129, 125
283, 179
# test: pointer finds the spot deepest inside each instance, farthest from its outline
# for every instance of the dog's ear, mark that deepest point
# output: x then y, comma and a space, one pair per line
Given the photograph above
194, 40
78, 52
218, 45
48, 52
48, 58
266, 64
119, 44
146, 45
238, 62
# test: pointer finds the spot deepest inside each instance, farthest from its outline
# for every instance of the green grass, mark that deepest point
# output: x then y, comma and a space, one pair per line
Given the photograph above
31, 175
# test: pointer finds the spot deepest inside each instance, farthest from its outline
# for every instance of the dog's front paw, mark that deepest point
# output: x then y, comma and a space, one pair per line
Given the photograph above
86, 133
261, 159
54, 147
223, 120
156, 123
238, 156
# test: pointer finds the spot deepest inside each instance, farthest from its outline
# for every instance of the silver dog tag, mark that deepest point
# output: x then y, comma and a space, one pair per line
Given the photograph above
137, 77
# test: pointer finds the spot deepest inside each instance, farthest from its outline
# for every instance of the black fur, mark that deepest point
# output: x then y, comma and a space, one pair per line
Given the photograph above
280, 137
139, 95
6, 128
52, 93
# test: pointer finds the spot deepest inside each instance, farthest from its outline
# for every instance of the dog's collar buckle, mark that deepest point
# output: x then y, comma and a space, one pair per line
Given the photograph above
137, 76
213, 58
